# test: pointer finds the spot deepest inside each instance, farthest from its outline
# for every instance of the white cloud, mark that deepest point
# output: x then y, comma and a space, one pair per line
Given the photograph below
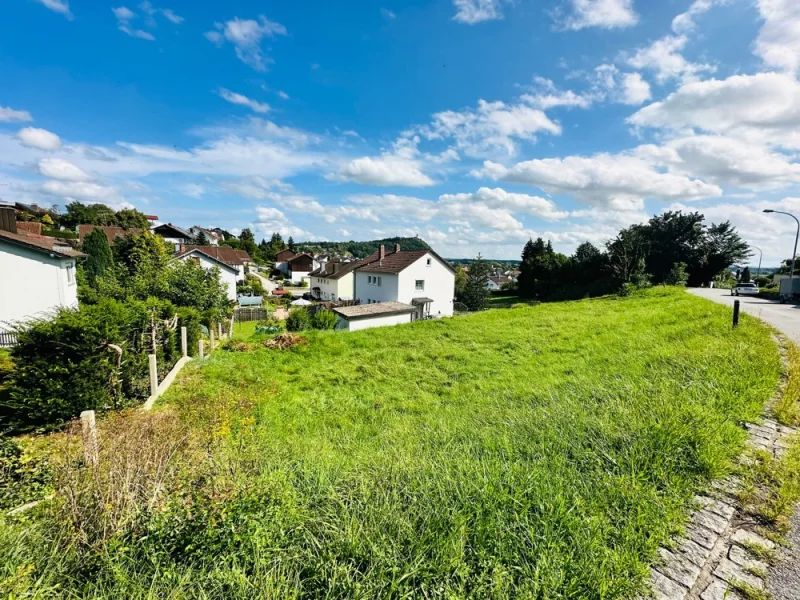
269, 219
778, 42
384, 170
246, 36
607, 14
761, 108
500, 199
59, 6
33, 137
193, 190
388, 14
282, 95
234, 98
546, 96
58, 168
635, 90
684, 22
124, 17
609, 83
477, 11
81, 190
8, 114
619, 181
664, 58
170, 15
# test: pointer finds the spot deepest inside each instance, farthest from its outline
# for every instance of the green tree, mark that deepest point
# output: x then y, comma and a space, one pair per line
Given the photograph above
721, 247
476, 293
92, 214
201, 239
99, 259
746, 276
290, 243
677, 275
461, 282
130, 218
627, 253
541, 270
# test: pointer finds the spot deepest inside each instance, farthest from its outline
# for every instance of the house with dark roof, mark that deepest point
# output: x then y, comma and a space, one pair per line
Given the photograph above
282, 260
300, 267
173, 234
211, 236
334, 280
238, 259
418, 278
37, 273
207, 259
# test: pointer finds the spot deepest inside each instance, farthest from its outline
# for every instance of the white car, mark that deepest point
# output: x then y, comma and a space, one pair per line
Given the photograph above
745, 289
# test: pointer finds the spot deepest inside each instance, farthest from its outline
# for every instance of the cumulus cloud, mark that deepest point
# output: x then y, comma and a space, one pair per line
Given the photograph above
762, 108
58, 168
81, 190
778, 42
471, 12
33, 137
685, 22
124, 17
606, 14
619, 181
384, 170
8, 115
635, 90
234, 98
546, 95
664, 58
58, 6
246, 36
270, 219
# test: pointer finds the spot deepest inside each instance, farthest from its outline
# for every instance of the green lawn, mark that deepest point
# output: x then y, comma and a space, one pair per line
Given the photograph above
538, 452
502, 301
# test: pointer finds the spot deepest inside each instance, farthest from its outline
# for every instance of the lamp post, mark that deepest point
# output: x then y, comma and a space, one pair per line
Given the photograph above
794, 254
760, 256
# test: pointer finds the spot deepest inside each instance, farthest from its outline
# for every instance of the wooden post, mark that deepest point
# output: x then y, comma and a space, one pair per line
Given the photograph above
230, 333
153, 375
89, 431
184, 344
202, 351
211, 334
219, 331
735, 313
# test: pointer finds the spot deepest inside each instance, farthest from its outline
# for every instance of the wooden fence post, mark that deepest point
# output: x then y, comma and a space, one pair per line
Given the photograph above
219, 331
202, 351
153, 375
230, 333
184, 345
89, 431
211, 335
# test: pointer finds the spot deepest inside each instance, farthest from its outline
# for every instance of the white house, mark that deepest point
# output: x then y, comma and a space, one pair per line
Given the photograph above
420, 278
300, 268
496, 283
37, 274
282, 260
228, 274
210, 235
365, 316
173, 234
335, 280
238, 259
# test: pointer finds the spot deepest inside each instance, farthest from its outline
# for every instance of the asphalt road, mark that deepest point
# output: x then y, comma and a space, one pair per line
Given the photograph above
783, 317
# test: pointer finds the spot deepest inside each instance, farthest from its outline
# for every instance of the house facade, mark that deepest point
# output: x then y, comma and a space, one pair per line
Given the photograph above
334, 281
238, 259
173, 234
282, 260
420, 278
227, 273
366, 316
300, 268
211, 236
37, 275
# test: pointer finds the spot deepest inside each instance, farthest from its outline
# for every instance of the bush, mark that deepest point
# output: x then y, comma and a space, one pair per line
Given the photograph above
304, 283
626, 289
190, 318
298, 320
677, 275
324, 319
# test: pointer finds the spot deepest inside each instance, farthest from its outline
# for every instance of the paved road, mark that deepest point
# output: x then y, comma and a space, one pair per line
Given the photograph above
268, 285
784, 317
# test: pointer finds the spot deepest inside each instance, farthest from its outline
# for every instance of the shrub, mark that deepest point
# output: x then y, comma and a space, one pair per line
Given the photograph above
324, 319
190, 318
677, 275
304, 283
298, 320
626, 289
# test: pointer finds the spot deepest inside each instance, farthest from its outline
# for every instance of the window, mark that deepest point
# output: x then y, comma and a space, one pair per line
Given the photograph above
379, 281
428, 262
369, 279
70, 274
420, 285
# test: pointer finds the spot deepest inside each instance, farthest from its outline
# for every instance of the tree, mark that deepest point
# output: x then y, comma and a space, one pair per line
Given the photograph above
673, 237
201, 239
677, 275
746, 276
461, 282
99, 259
93, 214
541, 270
130, 218
476, 292
47, 220
290, 243
627, 254
721, 247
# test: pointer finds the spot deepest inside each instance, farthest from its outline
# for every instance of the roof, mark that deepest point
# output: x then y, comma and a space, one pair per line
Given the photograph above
394, 262
243, 255
112, 233
327, 272
180, 231
377, 309
304, 254
225, 254
500, 280
29, 227
200, 250
286, 253
43, 244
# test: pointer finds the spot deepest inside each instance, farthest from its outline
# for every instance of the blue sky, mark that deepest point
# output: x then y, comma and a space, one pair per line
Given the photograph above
472, 123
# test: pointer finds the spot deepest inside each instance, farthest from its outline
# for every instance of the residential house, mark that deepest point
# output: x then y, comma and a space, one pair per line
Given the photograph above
210, 235
282, 260
173, 234
238, 259
300, 267
381, 314
112, 233
496, 283
335, 280
228, 274
420, 278
37, 273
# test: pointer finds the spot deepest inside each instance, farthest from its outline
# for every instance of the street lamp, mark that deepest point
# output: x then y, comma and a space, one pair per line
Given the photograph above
794, 255
760, 256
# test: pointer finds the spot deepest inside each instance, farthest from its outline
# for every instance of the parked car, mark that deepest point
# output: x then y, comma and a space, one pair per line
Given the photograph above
744, 289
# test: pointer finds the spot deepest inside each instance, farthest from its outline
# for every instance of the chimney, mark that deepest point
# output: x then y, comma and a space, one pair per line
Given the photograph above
397, 247
8, 219
382, 252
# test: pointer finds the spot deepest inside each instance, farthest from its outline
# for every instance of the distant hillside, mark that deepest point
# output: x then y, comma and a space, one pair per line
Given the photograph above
364, 249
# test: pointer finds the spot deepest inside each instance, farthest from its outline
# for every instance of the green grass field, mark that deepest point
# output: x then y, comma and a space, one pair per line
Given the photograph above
539, 452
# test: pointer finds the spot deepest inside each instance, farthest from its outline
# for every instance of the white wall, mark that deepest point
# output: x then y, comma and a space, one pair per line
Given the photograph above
439, 285
227, 275
387, 291
373, 322
283, 267
299, 276
334, 289
33, 283
491, 285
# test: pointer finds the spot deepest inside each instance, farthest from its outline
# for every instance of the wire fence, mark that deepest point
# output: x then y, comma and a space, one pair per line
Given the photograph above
250, 313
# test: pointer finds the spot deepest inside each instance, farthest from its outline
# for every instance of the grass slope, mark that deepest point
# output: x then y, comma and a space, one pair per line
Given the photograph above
539, 452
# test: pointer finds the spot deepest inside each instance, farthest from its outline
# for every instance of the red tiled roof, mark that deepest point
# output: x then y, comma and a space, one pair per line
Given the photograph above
112, 233
344, 268
244, 255
394, 262
284, 254
225, 254
44, 244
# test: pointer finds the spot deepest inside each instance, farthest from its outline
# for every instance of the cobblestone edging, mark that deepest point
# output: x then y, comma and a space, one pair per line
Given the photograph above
714, 554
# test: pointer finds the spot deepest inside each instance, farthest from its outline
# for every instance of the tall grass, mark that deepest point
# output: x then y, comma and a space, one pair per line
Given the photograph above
539, 452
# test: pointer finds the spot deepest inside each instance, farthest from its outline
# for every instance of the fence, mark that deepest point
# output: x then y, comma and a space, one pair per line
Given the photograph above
7, 339
250, 313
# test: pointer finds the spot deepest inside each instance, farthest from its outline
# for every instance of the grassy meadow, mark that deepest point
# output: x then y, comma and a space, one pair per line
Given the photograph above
539, 452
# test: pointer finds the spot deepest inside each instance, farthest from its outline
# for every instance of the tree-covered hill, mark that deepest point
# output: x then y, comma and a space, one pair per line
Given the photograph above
364, 249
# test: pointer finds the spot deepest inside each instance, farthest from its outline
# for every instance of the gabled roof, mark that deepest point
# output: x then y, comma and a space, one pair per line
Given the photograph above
301, 255
43, 244
112, 233
243, 255
394, 262
284, 254
200, 250
327, 271
376, 309
226, 254
175, 229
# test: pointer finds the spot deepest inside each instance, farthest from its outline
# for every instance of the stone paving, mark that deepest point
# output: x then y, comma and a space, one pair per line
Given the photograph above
714, 557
